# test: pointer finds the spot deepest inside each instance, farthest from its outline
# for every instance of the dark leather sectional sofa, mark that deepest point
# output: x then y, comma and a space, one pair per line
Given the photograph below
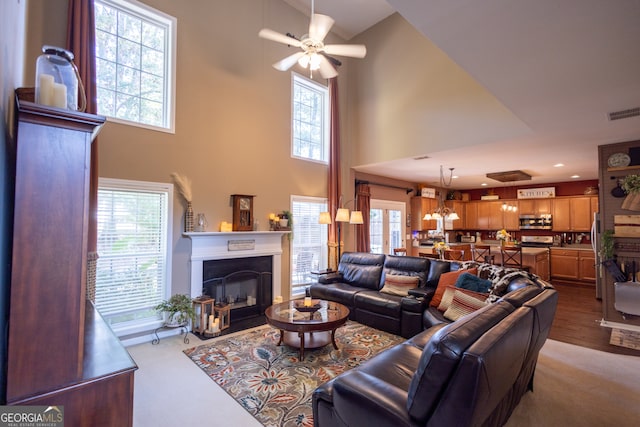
471, 372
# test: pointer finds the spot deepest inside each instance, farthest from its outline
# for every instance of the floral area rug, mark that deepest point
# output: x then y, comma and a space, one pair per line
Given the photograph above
271, 382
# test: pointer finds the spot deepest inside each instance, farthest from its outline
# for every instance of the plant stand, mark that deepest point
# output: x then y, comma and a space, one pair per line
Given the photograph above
156, 340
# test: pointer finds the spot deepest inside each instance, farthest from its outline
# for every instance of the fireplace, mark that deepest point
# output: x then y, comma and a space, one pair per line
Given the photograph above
246, 284
242, 267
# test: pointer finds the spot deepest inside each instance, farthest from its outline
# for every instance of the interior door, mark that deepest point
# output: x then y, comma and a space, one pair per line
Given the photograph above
387, 226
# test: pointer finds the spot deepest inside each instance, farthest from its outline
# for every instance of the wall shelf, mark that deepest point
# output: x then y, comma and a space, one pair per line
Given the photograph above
624, 168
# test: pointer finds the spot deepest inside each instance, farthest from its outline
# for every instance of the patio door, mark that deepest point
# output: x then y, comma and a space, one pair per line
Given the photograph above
387, 226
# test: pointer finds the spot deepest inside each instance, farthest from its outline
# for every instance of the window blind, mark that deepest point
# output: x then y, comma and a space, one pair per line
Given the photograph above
131, 271
309, 248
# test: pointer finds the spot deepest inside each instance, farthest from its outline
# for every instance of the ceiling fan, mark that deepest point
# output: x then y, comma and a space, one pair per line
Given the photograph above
314, 54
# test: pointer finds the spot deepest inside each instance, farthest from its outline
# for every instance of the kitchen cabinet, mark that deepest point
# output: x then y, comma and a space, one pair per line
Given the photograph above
541, 266
573, 264
459, 208
573, 213
511, 219
534, 206
564, 264
490, 215
471, 216
586, 266
419, 207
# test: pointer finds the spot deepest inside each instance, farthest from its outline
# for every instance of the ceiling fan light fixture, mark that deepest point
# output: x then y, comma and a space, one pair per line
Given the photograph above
304, 61
314, 61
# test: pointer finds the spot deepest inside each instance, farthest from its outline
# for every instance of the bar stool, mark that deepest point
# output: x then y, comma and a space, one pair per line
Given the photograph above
512, 257
454, 255
482, 253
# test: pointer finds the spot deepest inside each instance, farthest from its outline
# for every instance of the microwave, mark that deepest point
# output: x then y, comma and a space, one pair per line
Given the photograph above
535, 222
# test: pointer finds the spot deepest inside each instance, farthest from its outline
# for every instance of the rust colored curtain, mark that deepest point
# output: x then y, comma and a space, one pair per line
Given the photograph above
81, 41
333, 187
363, 240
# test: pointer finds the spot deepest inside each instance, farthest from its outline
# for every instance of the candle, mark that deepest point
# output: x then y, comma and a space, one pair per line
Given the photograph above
59, 98
277, 300
45, 90
211, 323
216, 325
307, 301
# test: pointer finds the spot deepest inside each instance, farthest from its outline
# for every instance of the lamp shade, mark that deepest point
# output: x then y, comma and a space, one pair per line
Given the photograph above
453, 216
356, 218
342, 215
325, 218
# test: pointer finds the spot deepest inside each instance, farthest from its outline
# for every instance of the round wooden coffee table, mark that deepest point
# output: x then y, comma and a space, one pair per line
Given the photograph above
301, 329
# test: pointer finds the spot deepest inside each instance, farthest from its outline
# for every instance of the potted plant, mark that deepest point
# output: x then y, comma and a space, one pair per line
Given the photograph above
179, 309
286, 219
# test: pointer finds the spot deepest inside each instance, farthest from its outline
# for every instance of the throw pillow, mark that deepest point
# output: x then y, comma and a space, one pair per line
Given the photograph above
473, 283
461, 305
399, 285
447, 297
447, 279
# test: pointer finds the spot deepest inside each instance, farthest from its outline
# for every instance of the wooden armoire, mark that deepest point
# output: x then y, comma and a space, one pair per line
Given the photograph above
60, 351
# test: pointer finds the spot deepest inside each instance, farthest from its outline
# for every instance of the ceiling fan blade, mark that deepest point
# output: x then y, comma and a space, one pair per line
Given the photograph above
275, 36
320, 26
326, 69
353, 50
288, 62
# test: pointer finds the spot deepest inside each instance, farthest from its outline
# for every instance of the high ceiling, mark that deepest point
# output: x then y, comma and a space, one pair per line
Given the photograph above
559, 67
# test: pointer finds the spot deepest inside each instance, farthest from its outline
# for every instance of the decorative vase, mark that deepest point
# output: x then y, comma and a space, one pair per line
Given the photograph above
284, 222
188, 218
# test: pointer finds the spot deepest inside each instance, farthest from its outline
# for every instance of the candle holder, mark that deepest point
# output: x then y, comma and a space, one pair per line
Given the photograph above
204, 307
223, 312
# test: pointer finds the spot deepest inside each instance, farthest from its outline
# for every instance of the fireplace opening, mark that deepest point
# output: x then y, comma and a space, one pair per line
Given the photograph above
246, 284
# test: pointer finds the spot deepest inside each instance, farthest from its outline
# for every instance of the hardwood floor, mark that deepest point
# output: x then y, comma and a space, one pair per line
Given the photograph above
578, 318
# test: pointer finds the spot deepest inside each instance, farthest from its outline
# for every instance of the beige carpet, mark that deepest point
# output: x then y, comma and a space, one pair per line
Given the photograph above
574, 387
581, 387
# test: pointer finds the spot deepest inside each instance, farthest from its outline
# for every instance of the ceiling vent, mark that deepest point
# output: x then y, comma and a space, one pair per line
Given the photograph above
421, 158
624, 114
509, 176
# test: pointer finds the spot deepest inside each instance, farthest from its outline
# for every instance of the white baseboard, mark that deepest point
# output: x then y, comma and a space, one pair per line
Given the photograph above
617, 325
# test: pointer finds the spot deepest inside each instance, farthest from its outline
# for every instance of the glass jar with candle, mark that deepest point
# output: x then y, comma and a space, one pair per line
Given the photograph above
57, 80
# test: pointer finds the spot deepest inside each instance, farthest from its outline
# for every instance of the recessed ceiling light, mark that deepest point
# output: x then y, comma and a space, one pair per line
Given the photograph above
455, 177
575, 176
484, 184
558, 165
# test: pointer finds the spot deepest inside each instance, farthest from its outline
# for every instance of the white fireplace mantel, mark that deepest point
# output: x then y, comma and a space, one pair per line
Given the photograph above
207, 246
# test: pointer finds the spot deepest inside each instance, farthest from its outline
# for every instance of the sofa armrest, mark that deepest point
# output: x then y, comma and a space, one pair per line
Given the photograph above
330, 278
362, 399
426, 293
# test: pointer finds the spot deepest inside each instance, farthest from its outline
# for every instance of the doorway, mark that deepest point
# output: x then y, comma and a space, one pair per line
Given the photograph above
387, 226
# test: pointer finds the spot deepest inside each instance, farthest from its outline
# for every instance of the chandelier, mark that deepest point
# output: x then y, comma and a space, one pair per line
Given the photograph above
442, 211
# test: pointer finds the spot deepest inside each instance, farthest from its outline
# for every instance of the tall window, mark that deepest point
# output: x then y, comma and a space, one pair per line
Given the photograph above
135, 63
134, 264
310, 123
309, 248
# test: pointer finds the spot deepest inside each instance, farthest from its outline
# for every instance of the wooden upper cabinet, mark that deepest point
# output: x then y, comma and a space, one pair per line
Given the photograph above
419, 207
573, 213
561, 216
581, 216
534, 206
511, 220
490, 215
471, 216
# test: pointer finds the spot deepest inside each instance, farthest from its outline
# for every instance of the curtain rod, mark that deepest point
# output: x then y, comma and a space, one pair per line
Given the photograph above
407, 189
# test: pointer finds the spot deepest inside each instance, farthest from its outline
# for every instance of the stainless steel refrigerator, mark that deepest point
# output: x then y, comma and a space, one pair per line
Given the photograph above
595, 244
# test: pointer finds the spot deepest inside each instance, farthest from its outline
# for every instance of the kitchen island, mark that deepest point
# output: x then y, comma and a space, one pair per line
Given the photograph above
537, 259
